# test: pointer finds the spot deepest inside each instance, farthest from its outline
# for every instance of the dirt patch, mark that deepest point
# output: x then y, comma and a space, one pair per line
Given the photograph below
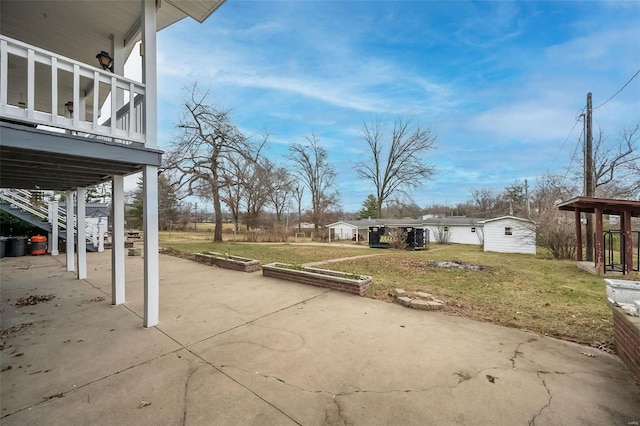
34, 300
455, 264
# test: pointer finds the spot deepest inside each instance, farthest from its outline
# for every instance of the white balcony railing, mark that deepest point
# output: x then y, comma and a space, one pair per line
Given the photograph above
35, 84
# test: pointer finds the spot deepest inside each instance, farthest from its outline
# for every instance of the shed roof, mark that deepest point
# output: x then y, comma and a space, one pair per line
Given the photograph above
495, 219
454, 221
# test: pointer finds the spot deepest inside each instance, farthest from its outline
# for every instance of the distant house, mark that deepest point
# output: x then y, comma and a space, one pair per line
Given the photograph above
455, 230
509, 234
350, 229
506, 234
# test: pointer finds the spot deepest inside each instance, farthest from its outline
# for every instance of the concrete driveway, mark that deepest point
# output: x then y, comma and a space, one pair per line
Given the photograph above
234, 349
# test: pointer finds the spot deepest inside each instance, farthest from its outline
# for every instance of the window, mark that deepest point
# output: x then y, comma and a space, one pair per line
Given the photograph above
507, 230
473, 229
446, 229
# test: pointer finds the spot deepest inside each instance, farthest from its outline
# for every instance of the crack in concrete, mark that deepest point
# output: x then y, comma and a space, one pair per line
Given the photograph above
340, 413
516, 352
329, 393
186, 398
532, 422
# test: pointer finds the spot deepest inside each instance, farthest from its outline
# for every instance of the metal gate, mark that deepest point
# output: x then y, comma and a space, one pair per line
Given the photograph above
615, 259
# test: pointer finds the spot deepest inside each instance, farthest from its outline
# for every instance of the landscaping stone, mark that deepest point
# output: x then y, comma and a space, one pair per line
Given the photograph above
398, 292
435, 305
404, 301
135, 251
423, 295
420, 304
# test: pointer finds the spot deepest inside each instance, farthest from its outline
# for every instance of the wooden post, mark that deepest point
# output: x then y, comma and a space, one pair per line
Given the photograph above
589, 185
578, 235
598, 243
625, 224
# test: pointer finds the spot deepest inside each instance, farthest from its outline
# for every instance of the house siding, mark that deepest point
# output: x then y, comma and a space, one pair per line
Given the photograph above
458, 234
522, 239
343, 232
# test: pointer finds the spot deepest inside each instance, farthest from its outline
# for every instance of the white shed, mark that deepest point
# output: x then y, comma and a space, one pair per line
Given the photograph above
509, 234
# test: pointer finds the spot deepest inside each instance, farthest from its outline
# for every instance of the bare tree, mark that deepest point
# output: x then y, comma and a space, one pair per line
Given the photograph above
485, 201
442, 235
280, 187
298, 193
199, 154
555, 230
396, 166
616, 165
312, 167
232, 190
256, 187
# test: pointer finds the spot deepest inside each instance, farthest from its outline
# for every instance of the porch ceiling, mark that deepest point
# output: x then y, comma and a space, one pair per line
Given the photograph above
31, 158
79, 29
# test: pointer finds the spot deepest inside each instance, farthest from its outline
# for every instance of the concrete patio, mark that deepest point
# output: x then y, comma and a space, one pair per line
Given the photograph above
235, 348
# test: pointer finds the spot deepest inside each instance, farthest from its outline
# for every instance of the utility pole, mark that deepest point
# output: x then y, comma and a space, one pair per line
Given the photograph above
526, 194
589, 187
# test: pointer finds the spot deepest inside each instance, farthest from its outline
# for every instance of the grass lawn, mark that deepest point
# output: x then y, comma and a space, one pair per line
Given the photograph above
537, 293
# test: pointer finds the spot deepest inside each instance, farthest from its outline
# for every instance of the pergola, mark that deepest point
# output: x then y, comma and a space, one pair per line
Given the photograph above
626, 209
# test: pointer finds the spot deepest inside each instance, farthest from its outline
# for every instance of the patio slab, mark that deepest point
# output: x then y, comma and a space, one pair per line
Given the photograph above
236, 348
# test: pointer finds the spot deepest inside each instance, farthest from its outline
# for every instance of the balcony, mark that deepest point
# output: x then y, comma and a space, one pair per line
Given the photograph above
36, 86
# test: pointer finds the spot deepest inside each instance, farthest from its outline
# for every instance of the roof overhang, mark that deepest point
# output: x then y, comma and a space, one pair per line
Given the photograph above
80, 29
606, 205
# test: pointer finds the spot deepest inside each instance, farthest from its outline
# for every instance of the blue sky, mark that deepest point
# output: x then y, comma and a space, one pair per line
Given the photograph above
499, 83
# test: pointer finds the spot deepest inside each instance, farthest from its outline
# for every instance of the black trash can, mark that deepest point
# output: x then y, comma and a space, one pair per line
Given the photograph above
17, 246
3, 246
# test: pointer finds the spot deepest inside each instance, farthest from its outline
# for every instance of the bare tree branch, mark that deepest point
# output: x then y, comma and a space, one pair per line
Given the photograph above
399, 167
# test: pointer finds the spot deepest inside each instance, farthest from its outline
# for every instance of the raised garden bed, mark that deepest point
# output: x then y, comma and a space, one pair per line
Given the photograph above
220, 260
335, 280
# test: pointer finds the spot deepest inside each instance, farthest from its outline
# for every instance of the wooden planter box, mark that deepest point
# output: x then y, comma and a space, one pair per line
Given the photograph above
236, 263
334, 280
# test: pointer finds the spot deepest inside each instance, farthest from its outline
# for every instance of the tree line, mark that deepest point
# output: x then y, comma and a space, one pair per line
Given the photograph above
212, 160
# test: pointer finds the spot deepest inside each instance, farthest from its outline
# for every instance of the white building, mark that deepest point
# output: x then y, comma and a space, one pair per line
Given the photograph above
455, 230
61, 66
508, 234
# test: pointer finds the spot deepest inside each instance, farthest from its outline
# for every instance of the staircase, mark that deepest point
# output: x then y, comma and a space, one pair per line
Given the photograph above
18, 203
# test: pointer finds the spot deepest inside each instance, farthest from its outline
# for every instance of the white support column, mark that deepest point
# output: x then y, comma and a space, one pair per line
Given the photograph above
151, 256
82, 234
71, 266
150, 173
53, 239
149, 72
49, 213
117, 241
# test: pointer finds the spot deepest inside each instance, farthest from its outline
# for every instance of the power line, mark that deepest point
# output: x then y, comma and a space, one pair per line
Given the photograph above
621, 89
580, 139
578, 115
